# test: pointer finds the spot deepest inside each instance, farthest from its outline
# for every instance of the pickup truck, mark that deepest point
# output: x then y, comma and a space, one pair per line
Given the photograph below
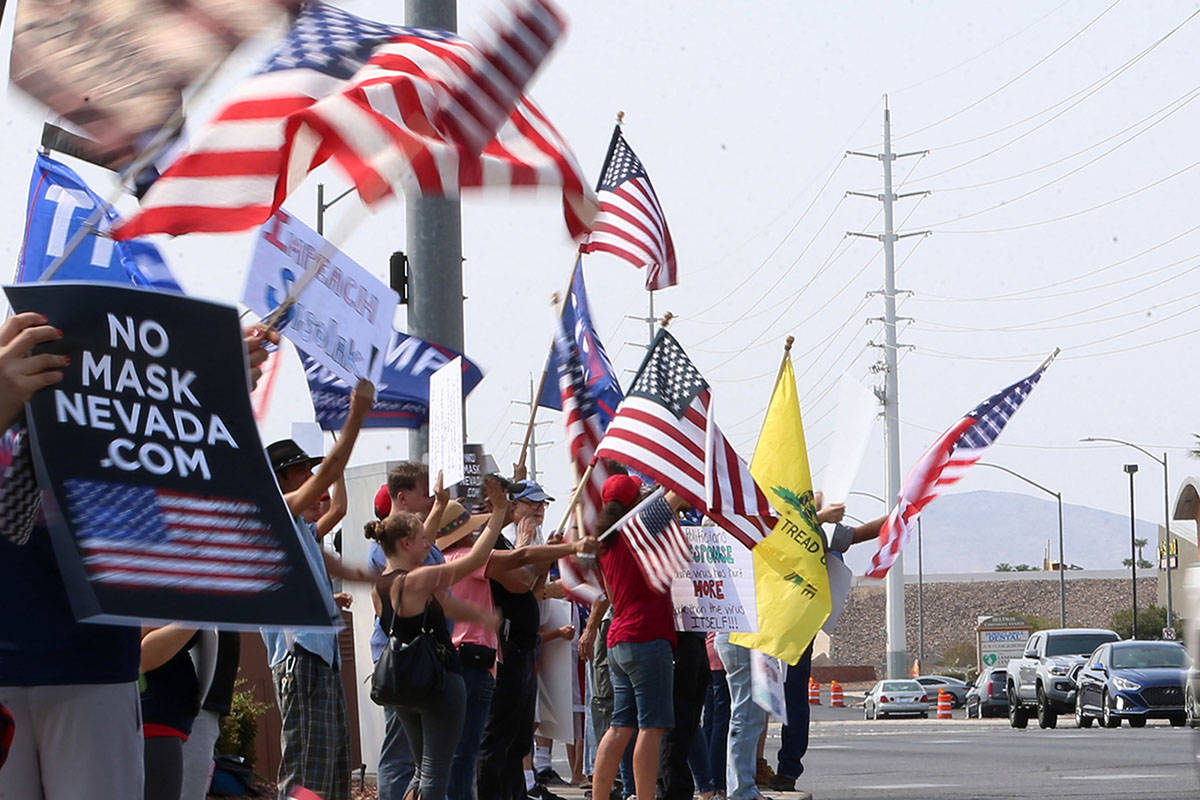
1039, 682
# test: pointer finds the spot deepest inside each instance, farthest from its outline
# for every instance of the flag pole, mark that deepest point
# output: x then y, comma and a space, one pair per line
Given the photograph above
575, 495
787, 353
560, 303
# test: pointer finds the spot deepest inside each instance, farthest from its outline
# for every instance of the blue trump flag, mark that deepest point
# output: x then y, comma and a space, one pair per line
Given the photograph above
402, 394
60, 203
598, 372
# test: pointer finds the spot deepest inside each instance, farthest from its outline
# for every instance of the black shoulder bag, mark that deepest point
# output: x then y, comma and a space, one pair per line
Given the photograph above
408, 673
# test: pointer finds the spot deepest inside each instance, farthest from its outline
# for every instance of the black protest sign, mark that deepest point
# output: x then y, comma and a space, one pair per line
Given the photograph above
160, 499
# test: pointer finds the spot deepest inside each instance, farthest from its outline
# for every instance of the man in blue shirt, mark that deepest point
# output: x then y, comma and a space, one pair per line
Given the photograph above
305, 665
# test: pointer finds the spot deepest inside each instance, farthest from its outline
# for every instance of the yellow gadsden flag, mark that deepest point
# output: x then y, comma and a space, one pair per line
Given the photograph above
790, 578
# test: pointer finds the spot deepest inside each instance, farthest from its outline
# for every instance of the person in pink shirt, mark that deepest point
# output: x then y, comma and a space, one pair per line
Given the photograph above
477, 644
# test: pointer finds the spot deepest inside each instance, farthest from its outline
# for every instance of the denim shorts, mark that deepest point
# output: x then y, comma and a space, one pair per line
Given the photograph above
643, 676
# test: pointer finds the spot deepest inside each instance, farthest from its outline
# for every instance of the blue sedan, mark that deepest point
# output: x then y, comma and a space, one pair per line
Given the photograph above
1132, 680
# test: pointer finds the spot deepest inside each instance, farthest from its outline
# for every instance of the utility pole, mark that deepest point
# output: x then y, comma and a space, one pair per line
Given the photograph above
897, 649
531, 466
433, 241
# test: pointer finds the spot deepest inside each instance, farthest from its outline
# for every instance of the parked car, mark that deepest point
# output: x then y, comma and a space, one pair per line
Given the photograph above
1133, 680
956, 688
889, 698
987, 696
1039, 681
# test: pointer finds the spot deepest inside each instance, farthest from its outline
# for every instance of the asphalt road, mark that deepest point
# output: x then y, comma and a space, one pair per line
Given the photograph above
898, 759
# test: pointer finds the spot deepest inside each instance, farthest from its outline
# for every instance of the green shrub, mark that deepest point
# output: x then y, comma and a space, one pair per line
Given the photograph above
1151, 621
240, 726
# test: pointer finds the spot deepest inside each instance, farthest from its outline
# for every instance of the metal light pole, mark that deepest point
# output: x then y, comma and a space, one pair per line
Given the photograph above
1130, 469
1166, 512
1062, 563
920, 598
322, 206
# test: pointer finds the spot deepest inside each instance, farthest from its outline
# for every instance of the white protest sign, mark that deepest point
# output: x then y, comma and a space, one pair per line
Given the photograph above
856, 412
722, 577
342, 318
446, 424
555, 676
766, 684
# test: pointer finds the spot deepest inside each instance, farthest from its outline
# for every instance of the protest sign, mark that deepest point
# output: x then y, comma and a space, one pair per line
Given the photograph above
342, 318
471, 488
446, 424
857, 409
556, 676
160, 500
722, 577
59, 205
766, 684
402, 391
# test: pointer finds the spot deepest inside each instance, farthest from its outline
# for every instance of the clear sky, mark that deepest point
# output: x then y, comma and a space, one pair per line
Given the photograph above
1063, 169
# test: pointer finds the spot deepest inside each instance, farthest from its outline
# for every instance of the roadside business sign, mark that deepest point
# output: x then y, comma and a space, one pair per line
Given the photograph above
999, 638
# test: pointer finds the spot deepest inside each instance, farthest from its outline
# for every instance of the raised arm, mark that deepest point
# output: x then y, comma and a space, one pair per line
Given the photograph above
337, 506
303, 498
159, 645
504, 560
441, 498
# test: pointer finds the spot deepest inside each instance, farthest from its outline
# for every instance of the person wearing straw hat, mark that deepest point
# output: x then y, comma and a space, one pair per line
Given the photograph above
477, 644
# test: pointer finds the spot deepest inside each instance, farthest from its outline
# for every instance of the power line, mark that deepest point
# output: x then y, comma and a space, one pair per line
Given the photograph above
1052, 220
1013, 80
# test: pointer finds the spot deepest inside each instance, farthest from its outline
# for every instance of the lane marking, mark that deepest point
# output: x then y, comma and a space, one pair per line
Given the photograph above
894, 786
1112, 777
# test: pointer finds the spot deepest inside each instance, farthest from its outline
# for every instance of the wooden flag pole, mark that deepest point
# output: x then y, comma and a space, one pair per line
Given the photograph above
575, 495
787, 353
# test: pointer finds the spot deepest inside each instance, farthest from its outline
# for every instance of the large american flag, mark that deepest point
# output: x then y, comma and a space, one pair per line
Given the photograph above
665, 430
945, 462
656, 540
424, 110
584, 420
631, 224
140, 536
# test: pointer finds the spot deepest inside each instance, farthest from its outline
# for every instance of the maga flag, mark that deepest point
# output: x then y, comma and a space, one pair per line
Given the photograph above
790, 578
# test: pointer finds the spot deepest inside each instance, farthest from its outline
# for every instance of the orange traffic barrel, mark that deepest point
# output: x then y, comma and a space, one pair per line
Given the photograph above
944, 705
814, 693
836, 697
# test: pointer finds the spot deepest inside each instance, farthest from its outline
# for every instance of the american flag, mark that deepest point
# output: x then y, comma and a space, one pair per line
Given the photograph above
631, 224
945, 462
393, 106
584, 421
665, 430
140, 536
656, 540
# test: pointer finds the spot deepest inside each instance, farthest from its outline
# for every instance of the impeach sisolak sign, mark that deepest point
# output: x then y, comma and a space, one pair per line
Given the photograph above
160, 499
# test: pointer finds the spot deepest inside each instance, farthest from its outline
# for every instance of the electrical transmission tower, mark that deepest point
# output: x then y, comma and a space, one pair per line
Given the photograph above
897, 650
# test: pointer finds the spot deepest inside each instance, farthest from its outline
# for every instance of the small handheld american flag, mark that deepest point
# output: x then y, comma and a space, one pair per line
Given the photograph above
656, 539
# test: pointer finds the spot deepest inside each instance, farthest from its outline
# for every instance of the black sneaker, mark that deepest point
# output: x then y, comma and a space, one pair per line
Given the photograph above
548, 777
539, 792
781, 783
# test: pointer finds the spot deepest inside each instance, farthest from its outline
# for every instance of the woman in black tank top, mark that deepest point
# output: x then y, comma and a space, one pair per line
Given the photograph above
433, 727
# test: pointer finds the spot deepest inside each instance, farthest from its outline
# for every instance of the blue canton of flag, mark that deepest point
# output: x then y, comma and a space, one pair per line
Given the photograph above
59, 204
330, 41
598, 374
139, 536
992, 414
657, 541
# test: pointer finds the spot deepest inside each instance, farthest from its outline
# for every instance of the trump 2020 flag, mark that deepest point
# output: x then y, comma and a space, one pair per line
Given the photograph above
945, 462
790, 578
60, 204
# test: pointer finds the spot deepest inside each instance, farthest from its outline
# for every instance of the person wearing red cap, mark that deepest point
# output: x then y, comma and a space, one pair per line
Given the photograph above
640, 641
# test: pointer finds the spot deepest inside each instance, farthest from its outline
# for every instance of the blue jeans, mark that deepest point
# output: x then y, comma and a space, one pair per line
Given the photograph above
746, 722
795, 733
707, 758
396, 767
433, 730
480, 685
643, 684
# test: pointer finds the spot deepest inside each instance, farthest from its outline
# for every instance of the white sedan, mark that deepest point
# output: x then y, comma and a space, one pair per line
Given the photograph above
888, 698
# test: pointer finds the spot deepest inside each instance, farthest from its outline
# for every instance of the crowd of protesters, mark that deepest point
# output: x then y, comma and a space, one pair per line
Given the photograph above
104, 711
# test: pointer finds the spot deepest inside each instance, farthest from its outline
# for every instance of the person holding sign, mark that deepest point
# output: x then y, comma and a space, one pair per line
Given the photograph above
641, 639
416, 592
71, 687
305, 665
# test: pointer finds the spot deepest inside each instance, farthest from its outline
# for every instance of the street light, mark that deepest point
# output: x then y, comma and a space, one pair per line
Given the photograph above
1062, 565
1130, 469
1166, 512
